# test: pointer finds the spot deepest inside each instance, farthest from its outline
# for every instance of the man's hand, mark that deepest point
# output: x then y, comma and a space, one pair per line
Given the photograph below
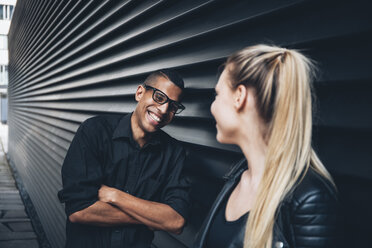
108, 194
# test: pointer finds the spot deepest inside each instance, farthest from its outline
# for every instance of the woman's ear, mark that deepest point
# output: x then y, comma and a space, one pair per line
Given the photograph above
139, 93
240, 97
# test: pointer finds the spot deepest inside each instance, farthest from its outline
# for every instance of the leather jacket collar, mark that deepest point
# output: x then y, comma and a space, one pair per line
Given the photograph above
232, 178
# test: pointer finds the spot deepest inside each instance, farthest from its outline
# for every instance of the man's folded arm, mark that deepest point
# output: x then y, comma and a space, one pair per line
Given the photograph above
82, 178
102, 214
169, 214
155, 215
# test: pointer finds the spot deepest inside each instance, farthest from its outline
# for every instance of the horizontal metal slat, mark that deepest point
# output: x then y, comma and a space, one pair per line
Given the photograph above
48, 124
64, 115
97, 22
52, 155
151, 46
56, 143
35, 33
67, 126
40, 43
44, 53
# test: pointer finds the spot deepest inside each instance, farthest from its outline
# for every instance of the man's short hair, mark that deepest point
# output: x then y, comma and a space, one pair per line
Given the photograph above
169, 74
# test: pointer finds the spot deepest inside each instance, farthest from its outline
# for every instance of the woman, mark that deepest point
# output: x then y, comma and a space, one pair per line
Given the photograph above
285, 197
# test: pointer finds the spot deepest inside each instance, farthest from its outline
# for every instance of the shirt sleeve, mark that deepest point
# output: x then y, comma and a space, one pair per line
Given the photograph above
176, 191
81, 171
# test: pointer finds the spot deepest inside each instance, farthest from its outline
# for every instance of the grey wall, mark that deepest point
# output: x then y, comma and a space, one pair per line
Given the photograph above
70, 60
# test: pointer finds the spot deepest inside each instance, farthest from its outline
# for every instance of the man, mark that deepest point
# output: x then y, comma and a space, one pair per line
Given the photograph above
122, 176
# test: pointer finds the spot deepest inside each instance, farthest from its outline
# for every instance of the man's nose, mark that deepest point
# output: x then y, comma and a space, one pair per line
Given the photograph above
163, 107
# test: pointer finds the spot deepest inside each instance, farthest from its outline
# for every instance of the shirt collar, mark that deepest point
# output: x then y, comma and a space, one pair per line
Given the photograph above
124, 130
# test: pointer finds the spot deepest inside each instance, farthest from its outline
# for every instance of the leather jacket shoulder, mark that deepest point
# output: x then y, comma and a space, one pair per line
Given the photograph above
309, 216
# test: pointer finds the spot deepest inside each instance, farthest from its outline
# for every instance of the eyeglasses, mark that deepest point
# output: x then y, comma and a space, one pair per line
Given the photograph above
160, 97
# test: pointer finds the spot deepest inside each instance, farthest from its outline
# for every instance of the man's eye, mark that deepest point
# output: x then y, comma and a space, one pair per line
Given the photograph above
160, 98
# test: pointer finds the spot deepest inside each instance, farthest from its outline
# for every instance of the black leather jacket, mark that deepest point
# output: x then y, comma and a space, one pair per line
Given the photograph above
309, 216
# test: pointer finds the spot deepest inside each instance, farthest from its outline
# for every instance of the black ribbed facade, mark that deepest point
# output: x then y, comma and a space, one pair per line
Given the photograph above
70, 60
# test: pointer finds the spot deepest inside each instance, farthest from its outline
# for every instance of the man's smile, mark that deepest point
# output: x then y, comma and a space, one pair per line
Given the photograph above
155, 119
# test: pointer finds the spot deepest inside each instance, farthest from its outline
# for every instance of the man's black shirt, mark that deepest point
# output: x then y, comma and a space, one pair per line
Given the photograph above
103, 152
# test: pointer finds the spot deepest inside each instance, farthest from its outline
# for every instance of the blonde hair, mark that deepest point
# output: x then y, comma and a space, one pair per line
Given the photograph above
281, 79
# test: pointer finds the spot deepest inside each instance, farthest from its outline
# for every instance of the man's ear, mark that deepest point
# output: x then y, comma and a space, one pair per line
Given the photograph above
240, 97
140, 92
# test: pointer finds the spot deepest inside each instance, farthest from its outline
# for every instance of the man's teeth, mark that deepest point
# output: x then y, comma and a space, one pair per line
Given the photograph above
154, 117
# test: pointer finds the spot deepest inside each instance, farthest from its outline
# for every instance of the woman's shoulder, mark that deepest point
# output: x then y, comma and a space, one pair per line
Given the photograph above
313, 189
314, 213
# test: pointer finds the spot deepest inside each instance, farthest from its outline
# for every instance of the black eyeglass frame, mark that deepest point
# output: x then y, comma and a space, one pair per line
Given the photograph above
179, 105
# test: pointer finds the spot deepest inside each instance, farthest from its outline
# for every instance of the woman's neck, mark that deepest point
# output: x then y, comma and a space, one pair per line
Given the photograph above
254, 149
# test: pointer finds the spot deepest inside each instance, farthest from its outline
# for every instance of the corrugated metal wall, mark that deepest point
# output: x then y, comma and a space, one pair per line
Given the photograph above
70, 60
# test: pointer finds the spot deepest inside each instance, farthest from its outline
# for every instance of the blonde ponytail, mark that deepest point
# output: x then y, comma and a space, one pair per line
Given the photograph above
281, 79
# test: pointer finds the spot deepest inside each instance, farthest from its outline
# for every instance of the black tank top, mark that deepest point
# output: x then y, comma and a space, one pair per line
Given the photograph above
222, 232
